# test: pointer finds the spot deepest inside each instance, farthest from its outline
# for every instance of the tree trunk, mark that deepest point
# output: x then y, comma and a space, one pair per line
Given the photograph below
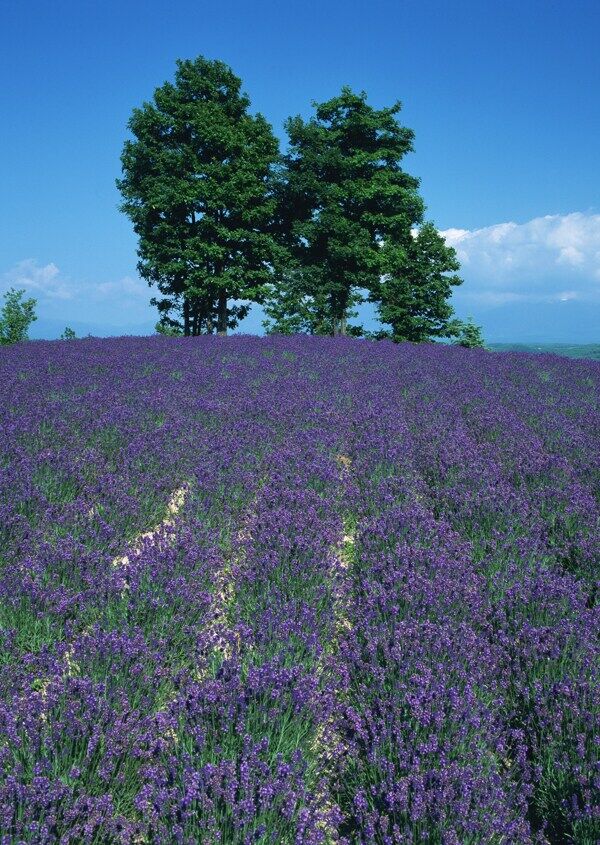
334, 320
186, 317
222, 313
195, 324
343, 324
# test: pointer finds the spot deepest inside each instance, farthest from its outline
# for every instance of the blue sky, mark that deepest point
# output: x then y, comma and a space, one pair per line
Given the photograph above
504, 98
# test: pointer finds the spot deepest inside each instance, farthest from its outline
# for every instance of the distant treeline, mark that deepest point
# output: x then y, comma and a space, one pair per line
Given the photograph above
224, 219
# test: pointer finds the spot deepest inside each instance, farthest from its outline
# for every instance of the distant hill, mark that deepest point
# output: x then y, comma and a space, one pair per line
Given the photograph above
573, 350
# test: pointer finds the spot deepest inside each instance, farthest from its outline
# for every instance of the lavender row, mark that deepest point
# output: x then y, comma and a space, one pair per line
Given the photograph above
137, 716
297, 590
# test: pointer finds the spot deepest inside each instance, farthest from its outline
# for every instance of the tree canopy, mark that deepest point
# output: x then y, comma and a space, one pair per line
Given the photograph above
413, 293
224, 221
470, 335
197, 186
347, 213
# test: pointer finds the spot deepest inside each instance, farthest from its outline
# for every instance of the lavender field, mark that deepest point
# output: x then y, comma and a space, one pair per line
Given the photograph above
298, 591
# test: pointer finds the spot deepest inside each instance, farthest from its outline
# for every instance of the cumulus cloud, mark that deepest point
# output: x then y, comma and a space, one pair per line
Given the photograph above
114, 306
45, 280
549, 259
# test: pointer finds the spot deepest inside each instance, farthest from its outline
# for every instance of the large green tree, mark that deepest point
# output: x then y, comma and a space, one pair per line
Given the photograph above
412, 295
197, 186
347, 211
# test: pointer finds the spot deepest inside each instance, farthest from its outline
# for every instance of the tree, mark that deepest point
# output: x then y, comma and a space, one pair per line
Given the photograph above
197, 187
290, 309
412, 294
16, 316
167, 328
346, 208
470, 335
68, 334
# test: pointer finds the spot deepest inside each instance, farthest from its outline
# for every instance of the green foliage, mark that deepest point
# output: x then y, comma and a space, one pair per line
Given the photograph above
16, 316
68, 334
291, 310
167, 327
470, 335
346, 211
413, 292
197, 187
223, 221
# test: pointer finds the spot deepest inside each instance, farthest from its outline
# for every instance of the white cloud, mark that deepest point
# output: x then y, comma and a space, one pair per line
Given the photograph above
48, 281
45, 280
570, 255
555, 258
124, 287
119, 305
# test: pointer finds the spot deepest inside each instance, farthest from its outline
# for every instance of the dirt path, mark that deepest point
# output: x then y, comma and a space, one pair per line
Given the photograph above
220, 636
327, 745
174, 506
